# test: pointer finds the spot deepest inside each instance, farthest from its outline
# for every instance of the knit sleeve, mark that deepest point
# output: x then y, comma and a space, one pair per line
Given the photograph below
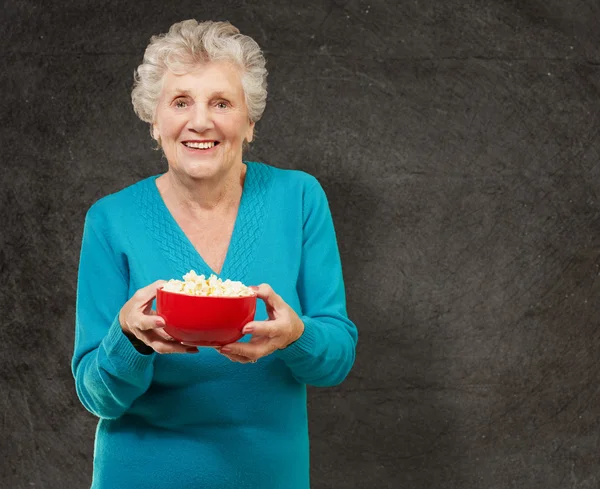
325, 352
110, 374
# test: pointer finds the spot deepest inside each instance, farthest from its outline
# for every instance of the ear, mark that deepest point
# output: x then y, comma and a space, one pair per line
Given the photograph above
250, 132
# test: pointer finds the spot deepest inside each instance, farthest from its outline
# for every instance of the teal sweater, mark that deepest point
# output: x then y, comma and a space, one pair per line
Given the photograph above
183, 421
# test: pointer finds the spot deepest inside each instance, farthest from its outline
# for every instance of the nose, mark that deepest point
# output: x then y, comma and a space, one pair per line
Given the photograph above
200, 118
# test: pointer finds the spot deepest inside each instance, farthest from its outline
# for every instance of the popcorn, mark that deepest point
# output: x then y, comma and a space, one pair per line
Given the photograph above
212, 286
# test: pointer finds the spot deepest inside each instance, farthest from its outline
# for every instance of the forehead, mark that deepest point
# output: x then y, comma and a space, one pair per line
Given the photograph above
205, 79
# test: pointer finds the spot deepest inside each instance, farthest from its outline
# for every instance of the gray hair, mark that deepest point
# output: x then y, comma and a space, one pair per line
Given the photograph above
189, 43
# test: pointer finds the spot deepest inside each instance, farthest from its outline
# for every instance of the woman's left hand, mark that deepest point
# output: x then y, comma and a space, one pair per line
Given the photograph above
283, 327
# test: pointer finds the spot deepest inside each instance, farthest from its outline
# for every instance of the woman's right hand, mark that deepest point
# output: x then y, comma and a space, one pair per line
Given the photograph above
137, 318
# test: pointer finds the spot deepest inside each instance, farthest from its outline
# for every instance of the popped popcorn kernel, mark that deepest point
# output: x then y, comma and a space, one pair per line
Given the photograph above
194, 284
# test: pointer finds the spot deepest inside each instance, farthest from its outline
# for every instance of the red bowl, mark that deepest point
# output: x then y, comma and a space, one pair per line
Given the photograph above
204, 321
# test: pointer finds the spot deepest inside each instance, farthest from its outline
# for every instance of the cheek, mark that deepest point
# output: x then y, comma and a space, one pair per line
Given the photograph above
234, 127
170, 126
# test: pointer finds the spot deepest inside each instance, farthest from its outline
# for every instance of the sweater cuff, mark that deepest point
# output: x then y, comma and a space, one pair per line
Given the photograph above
121, 352
303, 346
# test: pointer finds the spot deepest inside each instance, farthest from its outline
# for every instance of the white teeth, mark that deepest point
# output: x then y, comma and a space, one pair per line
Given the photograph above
200, 145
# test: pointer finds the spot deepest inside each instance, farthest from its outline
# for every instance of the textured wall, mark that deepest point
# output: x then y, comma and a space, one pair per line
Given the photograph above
458, 144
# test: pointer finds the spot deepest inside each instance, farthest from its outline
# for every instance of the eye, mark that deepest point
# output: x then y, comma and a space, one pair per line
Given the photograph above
222, 104
180, 103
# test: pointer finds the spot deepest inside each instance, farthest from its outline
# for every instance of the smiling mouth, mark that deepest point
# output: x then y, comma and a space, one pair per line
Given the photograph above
198, 145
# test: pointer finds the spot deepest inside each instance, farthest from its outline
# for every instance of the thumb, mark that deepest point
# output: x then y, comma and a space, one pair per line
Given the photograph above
148, 293
268, 295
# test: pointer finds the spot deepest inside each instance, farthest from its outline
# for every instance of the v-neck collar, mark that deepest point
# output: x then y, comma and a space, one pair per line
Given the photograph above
247, 228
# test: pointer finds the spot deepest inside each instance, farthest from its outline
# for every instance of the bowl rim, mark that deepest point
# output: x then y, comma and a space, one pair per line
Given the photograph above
161, 290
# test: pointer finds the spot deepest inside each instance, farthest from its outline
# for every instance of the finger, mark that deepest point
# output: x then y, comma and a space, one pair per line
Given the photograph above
164, 335
146, 322
270, 329
162, 346
159, 345
237, 358
146, 294
253, 351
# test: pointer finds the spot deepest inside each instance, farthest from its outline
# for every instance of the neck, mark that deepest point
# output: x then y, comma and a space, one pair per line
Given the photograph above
199, 196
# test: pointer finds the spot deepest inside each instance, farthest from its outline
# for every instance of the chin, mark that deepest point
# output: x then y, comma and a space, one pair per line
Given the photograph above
201, 169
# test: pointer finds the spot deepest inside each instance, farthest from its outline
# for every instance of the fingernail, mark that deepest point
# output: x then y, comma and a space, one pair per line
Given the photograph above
254, 287
226, 350
248, 330
160, 323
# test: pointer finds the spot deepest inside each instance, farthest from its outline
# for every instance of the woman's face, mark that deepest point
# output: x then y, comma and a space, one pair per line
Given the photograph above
202, 120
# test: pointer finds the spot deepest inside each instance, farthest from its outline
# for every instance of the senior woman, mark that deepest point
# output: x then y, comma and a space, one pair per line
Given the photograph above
234, 417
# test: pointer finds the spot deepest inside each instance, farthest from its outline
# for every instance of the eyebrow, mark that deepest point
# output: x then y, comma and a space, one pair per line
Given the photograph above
217, 94
181, 92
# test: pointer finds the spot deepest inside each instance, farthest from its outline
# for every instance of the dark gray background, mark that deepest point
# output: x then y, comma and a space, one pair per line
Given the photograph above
458, 144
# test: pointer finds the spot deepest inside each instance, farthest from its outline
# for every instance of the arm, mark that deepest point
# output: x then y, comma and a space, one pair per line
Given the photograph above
325, 352
110, 374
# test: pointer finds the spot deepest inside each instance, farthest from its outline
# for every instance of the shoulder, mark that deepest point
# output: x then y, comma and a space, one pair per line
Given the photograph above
295, 192
287, 179
118, 206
